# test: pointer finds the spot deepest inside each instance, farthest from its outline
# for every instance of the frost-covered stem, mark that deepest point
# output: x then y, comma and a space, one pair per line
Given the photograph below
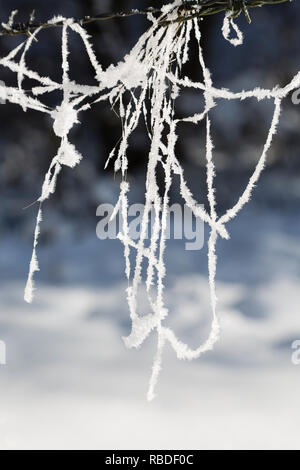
14, 29
65, 62
145, 325
154, 241
188, 11
34, 265
210, 167
212, 257
88, 46
151, 184
162, 246
66, 154
22, 63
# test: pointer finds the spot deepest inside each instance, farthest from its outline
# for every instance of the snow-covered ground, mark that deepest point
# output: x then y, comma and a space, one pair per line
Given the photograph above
70, 383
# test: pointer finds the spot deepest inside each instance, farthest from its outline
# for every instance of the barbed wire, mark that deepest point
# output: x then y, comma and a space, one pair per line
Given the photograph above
210, 7
186, 12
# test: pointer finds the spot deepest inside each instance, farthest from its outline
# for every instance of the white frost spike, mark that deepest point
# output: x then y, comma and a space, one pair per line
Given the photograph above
231, 213
228, 21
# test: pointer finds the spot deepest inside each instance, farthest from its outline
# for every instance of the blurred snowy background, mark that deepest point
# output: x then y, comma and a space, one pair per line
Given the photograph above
69, 382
